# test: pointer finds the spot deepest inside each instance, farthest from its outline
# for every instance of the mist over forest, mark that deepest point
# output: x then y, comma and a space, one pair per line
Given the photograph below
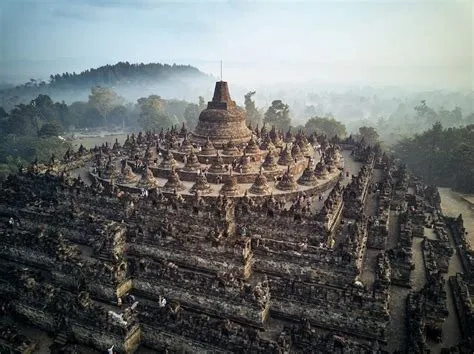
389, 109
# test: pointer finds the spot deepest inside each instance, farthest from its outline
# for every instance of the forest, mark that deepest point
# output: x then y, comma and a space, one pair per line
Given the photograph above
444, 157
121, 76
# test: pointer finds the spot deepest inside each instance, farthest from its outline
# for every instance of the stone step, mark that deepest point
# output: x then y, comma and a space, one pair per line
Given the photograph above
61, 338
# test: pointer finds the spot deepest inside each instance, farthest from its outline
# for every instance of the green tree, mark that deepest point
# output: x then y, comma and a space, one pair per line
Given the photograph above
278, 115
84, 115
327, 126
254, 116
49, 129
369, 134
104, 99
442, 156
118, 115
202, 104
3, 113
152, 116
426, 113
191, 115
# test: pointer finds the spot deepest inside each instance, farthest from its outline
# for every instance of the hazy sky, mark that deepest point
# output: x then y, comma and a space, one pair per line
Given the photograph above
410, 42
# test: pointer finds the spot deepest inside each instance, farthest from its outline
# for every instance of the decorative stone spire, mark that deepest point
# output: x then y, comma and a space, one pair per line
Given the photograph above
168, 161
252, 147
127, 176
287, 182
218, 165
116, 146
150, 154
267, 144
288, 136
320, 171
296, 152
186, 146
285, 157
230, 149
260, 186
173, 183
111, 171
269, 164
183, 132
275, 137
308, 177
201, 185
148, 181
263, 131
192, 163
230, 187
208, 149
305, 147
245, 163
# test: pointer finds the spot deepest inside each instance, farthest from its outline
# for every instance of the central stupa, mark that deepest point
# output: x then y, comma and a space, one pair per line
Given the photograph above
222, 121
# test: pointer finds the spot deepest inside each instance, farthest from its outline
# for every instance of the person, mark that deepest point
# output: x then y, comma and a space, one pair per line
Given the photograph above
110, 350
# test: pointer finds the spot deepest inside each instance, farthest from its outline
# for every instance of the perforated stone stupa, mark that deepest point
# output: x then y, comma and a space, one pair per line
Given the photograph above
222, 121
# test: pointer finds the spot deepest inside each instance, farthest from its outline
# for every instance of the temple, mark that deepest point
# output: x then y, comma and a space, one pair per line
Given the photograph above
222, 121
229, 239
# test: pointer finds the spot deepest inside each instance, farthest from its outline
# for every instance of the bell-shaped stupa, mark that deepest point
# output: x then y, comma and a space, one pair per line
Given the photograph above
221, 121
260, 186
173, 183
230, 188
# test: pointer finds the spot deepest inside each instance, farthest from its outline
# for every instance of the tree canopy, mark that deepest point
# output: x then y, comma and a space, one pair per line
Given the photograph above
104, 100
437, 152
327, 126
152, 115
254, 115
369, 135
278, 115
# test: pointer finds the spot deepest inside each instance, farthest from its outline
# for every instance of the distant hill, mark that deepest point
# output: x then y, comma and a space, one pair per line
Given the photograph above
130, 80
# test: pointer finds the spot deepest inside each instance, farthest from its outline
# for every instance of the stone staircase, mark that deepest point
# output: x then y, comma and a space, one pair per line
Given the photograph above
61, 339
